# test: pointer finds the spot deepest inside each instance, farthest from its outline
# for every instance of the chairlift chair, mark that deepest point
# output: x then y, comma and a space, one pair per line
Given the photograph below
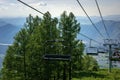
92, 51
58, 57
101, 50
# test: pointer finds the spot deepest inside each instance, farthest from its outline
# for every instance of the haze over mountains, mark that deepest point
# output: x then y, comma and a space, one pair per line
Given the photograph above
10, 26
8, 29
113, 28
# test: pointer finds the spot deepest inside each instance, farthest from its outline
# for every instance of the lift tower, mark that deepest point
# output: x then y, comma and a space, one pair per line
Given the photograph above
110, 43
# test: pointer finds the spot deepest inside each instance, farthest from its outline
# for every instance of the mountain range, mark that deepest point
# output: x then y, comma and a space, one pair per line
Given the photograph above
8, 29
10, 26
113, 28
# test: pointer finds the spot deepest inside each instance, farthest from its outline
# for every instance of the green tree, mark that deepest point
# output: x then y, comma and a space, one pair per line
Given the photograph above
24, 59
50, 33
69, 28
78, 53
13, 65
34, 47
15, 62
89, 63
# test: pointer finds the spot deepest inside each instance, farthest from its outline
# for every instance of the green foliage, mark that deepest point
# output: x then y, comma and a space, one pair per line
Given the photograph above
102, 74
89, 63
69, 28
24, 59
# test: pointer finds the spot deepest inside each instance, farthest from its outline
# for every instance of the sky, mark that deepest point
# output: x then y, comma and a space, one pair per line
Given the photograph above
13, 8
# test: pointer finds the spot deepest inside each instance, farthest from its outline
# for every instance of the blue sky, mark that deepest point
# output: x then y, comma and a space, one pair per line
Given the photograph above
13, 8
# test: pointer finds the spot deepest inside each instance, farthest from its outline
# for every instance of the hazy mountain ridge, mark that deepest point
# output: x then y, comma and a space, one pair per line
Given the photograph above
112, 23
19, 22
84, 20
112, 17
7, 32
113, 27
2, 23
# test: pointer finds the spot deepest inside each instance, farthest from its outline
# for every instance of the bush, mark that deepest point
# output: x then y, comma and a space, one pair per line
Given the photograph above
101, 74
90, 64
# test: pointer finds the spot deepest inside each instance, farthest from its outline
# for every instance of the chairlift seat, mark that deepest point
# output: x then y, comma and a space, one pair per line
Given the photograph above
101, 50
92, 51
57, 57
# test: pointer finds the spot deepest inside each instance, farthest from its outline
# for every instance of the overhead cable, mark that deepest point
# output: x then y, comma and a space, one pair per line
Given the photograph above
90, 19
31, 7
90, 38
83, 10
102, 19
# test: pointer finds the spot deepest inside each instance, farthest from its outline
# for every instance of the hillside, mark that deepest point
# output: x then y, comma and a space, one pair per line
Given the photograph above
7, 32
113, 28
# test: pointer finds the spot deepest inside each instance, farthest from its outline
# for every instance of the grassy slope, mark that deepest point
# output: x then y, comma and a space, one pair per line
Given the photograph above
99, 75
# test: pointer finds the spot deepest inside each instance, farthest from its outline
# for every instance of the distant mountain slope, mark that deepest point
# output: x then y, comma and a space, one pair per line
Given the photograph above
2, 23
113, 28
7, 32
14, 21
84, 20
112, 17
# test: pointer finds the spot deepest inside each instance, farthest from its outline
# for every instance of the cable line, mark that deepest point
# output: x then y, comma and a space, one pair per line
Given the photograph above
31, 7
89, 18
83, 10
90, 38
102, 18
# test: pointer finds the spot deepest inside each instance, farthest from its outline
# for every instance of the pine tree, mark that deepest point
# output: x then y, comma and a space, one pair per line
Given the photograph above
69, 28
15, 62
89, 63
34, 53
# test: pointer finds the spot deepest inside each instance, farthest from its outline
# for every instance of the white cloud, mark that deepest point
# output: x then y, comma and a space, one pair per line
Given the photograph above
14, 8
42, 4
2, 1
31, 1
12, 4
3, 8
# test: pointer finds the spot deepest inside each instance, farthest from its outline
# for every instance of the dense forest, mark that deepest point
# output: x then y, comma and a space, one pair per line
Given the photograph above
24, 59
